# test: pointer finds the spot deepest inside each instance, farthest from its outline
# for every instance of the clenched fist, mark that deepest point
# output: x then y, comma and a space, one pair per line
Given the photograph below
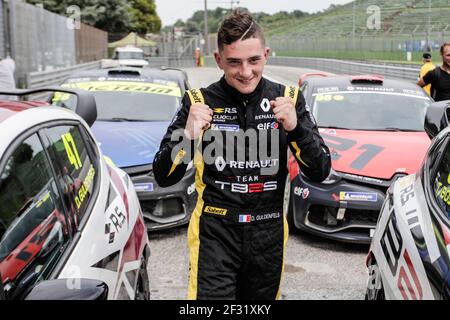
285, 113
199, 118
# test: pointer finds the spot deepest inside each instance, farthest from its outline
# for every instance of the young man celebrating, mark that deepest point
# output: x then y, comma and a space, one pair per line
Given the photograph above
439, 78
237, 232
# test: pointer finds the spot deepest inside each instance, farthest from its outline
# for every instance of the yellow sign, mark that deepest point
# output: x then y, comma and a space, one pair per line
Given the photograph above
126, 86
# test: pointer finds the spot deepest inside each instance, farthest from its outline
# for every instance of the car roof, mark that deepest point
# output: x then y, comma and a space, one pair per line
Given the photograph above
149, 74
343, 82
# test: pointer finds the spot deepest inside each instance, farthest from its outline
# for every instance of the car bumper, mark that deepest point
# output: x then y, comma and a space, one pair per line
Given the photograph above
165, 208
343, 211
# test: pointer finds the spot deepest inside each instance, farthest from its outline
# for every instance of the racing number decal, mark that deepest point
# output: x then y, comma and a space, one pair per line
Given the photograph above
343, 144
71, 150
392, 245
391, 242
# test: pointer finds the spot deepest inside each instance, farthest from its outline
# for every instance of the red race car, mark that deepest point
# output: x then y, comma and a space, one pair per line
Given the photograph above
374, 129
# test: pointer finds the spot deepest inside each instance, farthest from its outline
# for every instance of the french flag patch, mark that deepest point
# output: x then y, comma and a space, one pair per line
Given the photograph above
245, 218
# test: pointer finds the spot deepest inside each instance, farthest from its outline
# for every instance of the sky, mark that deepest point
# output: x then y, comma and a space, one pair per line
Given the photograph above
171, 10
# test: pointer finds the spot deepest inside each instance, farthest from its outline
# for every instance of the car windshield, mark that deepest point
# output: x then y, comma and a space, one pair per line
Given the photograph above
360, 110
129, 55
127, 100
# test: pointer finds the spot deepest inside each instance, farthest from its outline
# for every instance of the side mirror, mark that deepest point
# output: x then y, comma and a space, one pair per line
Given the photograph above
85, 107
58, 289
437, 118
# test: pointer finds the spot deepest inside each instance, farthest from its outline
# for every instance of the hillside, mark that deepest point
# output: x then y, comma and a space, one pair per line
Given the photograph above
397, 16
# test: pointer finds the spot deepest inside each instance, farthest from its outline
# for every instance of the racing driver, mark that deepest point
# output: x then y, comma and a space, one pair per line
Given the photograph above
237, 232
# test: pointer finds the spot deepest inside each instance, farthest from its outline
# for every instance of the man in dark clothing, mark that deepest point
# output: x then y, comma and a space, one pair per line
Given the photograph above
439, 78
237, 232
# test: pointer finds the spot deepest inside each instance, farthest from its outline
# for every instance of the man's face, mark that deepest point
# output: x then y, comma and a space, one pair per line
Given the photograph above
446, 57
243, 63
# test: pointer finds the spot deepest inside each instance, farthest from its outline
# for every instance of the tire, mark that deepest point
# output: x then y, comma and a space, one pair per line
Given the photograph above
142, 289
287, 207
375, 289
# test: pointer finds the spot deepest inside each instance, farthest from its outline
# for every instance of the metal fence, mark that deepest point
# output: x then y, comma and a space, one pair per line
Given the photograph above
380, 46
55, 77
40, 40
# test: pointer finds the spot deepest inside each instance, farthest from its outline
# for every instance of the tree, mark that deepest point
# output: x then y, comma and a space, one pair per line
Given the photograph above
104, 14
144, 18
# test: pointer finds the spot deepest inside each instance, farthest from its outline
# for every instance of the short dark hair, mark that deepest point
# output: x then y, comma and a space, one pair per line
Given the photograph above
426, 56
238, 26
445, 44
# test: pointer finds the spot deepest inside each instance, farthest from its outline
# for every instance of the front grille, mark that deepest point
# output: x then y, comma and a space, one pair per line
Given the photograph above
164, 208
326, 217
383, 189
139, 170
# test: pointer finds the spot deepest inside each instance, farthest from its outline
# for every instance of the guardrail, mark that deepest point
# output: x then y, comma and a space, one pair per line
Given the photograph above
57, 76
395, 71
348, 67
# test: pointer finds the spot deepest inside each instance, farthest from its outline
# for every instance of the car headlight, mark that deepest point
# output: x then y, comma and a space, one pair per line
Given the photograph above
333, 177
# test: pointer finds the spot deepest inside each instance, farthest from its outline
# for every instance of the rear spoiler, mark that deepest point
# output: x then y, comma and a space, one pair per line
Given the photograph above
85, 107
314, 74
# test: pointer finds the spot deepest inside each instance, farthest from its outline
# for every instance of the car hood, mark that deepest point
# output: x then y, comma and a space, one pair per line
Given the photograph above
130, 143
377, 154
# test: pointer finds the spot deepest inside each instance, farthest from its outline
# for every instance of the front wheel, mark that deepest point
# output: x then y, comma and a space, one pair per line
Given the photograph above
375, 290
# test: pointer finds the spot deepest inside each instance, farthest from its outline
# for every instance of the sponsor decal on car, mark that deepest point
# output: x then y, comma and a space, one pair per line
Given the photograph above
140, 187
358, 196
302, 192
122, 86
191, 189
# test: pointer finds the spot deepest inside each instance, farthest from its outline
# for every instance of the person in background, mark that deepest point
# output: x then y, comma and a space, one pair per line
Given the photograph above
7, 81
427, 66
439, 78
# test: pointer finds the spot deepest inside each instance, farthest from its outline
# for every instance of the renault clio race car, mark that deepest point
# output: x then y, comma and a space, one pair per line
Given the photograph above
135, 107
374, 129
71, 226
409, 257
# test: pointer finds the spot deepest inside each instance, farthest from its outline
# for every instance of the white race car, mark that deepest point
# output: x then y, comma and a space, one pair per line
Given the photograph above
71, 226
409, 257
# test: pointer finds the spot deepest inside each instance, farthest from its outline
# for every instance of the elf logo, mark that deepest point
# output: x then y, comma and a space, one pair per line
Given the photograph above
267, 126
265, 105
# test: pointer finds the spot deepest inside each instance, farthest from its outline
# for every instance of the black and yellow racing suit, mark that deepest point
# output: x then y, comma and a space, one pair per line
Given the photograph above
237, 232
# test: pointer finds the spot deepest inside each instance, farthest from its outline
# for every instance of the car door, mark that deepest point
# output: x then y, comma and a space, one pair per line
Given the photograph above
34, 226
438, 187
